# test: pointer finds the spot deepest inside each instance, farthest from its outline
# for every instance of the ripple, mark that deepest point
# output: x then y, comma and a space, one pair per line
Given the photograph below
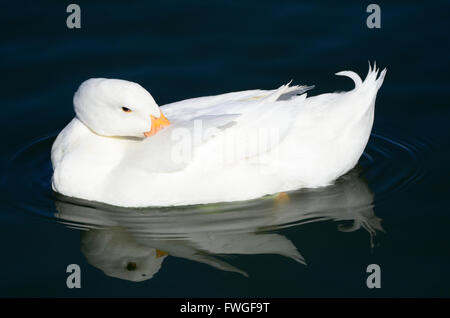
392, 165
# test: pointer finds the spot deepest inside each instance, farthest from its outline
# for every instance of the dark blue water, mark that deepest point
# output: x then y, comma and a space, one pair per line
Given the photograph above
392, 210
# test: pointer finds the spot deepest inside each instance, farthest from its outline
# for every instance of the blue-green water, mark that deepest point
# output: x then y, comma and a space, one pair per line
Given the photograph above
392, 210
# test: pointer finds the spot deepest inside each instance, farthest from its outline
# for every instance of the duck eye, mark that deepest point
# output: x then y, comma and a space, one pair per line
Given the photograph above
131, 266
126, 109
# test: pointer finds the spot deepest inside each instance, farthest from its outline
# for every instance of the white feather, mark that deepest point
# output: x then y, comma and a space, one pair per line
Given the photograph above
315, 140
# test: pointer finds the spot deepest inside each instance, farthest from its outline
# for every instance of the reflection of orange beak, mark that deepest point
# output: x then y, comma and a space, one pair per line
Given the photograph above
157, 124
160, 253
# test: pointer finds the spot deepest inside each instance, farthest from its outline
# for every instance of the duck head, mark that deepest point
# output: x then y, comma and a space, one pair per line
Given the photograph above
113, 107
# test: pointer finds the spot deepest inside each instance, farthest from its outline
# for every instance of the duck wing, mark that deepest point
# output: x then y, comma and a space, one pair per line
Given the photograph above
227, 103
200, 127
264, 122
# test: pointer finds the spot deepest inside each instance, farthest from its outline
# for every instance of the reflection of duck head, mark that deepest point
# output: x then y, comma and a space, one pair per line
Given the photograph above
114, 251
131, 244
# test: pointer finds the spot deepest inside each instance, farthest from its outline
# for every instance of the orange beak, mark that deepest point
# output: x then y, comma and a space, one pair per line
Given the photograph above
157, 124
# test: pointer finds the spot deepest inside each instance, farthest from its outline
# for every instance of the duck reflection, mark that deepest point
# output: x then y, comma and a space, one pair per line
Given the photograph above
132, 244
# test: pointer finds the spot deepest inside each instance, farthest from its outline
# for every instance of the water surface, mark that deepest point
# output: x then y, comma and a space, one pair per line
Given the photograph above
391, 210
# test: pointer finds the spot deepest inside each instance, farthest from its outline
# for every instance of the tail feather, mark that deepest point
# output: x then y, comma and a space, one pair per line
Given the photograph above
355, 77
381, 78
372, 76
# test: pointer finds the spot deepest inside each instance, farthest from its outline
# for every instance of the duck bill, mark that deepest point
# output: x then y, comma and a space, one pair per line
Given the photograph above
157, 124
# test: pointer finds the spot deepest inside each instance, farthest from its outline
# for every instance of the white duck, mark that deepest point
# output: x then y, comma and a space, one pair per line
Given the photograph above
121, 150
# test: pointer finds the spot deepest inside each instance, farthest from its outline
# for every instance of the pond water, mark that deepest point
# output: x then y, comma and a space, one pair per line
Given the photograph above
390, 210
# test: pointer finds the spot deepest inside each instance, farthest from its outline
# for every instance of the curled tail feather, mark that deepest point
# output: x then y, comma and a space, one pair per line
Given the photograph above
355, 77
372, 76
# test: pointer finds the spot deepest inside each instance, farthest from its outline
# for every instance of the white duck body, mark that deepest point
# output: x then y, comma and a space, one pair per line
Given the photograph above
317, 140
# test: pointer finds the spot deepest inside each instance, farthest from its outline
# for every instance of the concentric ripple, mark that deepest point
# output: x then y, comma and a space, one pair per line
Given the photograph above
392, 165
